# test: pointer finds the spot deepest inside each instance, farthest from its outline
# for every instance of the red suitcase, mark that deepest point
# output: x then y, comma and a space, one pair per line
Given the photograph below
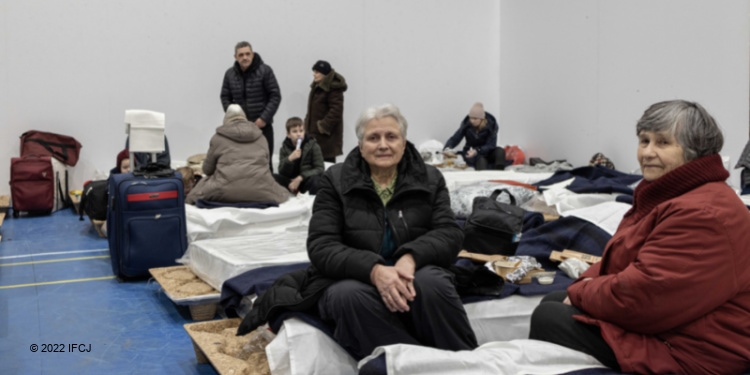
32, 184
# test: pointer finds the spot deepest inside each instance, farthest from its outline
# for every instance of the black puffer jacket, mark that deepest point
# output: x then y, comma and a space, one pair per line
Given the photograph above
483, 141
348, 222
347, 227
255, 90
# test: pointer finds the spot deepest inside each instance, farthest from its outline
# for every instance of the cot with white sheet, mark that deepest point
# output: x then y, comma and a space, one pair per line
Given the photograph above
229, 242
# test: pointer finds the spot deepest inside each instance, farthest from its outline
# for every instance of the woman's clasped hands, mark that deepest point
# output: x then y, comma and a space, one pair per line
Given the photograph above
395, 283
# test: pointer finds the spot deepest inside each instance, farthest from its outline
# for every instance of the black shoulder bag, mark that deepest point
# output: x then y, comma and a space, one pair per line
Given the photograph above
493, 227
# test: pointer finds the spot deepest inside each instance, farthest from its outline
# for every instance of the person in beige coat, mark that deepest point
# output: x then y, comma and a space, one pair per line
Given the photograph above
236, 165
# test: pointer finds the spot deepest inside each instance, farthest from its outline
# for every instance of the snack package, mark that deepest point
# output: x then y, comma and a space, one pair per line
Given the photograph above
573, 267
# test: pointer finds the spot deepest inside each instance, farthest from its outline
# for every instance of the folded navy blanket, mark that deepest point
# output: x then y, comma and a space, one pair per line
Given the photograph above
595, 179
252, 282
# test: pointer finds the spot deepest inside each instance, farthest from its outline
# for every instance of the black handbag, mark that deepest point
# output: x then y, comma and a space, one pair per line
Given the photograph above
493, 227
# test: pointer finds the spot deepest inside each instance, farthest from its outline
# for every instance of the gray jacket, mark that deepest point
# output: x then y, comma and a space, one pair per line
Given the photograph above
236, 167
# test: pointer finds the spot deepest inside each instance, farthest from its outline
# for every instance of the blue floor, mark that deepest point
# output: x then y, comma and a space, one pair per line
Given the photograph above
57, 290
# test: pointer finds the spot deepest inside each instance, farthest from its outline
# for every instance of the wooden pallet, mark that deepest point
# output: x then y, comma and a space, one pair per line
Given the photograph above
559, 256
211, 348
202, 306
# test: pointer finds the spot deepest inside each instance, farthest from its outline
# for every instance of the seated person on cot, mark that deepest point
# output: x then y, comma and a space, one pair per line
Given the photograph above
671, 294
236, 165
381, 236
480, 151
300, 160
123, 163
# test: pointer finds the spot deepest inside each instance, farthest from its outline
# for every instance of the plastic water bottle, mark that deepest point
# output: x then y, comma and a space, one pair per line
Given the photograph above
299, 143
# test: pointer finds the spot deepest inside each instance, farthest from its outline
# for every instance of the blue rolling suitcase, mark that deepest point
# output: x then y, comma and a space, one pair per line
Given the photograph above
146, 225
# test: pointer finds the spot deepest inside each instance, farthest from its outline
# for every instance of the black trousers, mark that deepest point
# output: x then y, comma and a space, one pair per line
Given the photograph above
552, 321
268, 133
494, 160
435, 318
309, 184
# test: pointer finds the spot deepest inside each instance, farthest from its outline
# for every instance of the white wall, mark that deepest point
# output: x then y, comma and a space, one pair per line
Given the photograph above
576, 75
75, 66
566, 79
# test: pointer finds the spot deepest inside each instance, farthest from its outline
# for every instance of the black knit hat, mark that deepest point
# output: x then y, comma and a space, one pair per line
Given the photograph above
322, 67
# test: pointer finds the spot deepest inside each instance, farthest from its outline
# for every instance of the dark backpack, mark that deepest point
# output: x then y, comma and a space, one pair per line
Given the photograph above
94, 200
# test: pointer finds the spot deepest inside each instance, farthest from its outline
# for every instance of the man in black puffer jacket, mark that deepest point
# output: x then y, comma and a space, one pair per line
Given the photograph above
252, 84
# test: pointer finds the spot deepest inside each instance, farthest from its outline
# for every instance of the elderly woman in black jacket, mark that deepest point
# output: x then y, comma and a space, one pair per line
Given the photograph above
381, 236
383, 231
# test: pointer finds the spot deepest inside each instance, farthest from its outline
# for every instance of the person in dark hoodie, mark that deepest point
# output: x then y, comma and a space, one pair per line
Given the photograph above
300, 160
480, 149
325, 110
252, 84
235, 165
381, 237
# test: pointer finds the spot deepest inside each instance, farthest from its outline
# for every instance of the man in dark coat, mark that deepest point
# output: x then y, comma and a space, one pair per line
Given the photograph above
252, 84
325, 110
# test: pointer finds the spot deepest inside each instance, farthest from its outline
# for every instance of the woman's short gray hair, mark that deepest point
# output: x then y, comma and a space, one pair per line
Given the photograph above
385, 110
695, 130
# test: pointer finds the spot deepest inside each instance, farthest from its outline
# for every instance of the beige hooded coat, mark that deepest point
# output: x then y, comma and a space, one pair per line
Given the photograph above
236, 166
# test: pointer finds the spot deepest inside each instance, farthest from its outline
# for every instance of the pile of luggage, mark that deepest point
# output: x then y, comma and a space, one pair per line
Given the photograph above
144, 210
39, 177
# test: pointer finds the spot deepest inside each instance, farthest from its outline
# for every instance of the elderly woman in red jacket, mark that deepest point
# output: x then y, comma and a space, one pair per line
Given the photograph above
672, 291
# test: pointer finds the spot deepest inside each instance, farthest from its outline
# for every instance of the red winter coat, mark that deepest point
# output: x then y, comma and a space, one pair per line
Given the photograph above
672, 292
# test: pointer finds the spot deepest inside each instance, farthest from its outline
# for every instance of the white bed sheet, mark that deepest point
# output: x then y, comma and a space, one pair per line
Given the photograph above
218, 259
522, 356
300, 348
225, 222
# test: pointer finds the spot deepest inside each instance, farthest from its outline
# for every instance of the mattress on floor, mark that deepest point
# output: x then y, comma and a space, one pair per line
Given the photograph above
231, 222
457, 178
300, 348
218, 259
226, 222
